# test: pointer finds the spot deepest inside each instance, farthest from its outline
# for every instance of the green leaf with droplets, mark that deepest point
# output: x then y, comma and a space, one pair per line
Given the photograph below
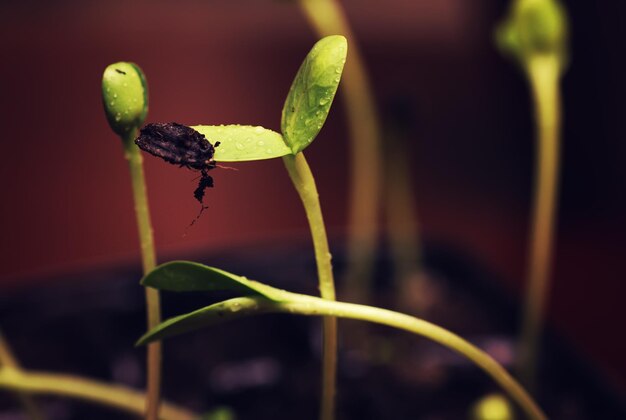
240, 143
187, 276
312, 92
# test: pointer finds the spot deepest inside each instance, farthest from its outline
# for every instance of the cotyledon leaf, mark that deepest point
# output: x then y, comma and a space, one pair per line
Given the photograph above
187, 276
227, 310
239, 143
312, 92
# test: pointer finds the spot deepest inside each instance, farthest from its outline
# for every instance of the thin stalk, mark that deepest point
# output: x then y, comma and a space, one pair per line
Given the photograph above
543, 74
328, 18
113, 396
400, 216
148, 259
281, 301
304, 183
9, 361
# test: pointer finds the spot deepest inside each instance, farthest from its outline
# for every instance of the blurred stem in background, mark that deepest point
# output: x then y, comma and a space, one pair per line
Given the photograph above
125, 100
8, 361
536, 33
327, 17
543, 78
118, 397
402, 227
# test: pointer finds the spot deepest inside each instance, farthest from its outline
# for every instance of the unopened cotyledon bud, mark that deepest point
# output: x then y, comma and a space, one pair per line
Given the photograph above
124, 96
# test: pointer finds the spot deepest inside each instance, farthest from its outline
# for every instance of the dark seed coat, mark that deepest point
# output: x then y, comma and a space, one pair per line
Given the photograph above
180, 145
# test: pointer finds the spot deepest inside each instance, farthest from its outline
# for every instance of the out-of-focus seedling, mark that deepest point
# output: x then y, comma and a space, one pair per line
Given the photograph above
535, 33
125, 100
493, 407
9, 361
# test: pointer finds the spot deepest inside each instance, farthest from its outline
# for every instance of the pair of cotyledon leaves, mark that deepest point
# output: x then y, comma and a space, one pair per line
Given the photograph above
304, 113
186, 276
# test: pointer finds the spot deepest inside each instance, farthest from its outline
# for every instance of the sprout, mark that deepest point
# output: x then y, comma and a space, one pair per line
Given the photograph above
124, 96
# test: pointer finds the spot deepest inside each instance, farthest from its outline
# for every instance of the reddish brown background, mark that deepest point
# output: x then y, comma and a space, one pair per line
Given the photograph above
66, 195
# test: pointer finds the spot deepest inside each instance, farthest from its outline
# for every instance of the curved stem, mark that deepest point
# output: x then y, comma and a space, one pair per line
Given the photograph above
543, 74
327, 17
304, 183
316, 306
148, 258
8, 360
114, 396
293, 303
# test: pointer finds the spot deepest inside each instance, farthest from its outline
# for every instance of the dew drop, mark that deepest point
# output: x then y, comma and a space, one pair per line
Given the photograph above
323, 101
337, 79
118, 117
258, 129
268, 151
248, 140
260, 142
125, 84
112, 103
115, 95
239, 146
338, 69
236, 307
108, 90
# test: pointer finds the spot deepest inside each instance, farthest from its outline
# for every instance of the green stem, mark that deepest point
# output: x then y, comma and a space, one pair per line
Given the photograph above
9, 361
315, 306
328, 18
113, 396
304, 183
543, 74
293, 303
148, 258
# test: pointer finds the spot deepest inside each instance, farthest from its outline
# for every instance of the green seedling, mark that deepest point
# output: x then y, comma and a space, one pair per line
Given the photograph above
304, 113
125, 100
124, 94
255, 298
535, 33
